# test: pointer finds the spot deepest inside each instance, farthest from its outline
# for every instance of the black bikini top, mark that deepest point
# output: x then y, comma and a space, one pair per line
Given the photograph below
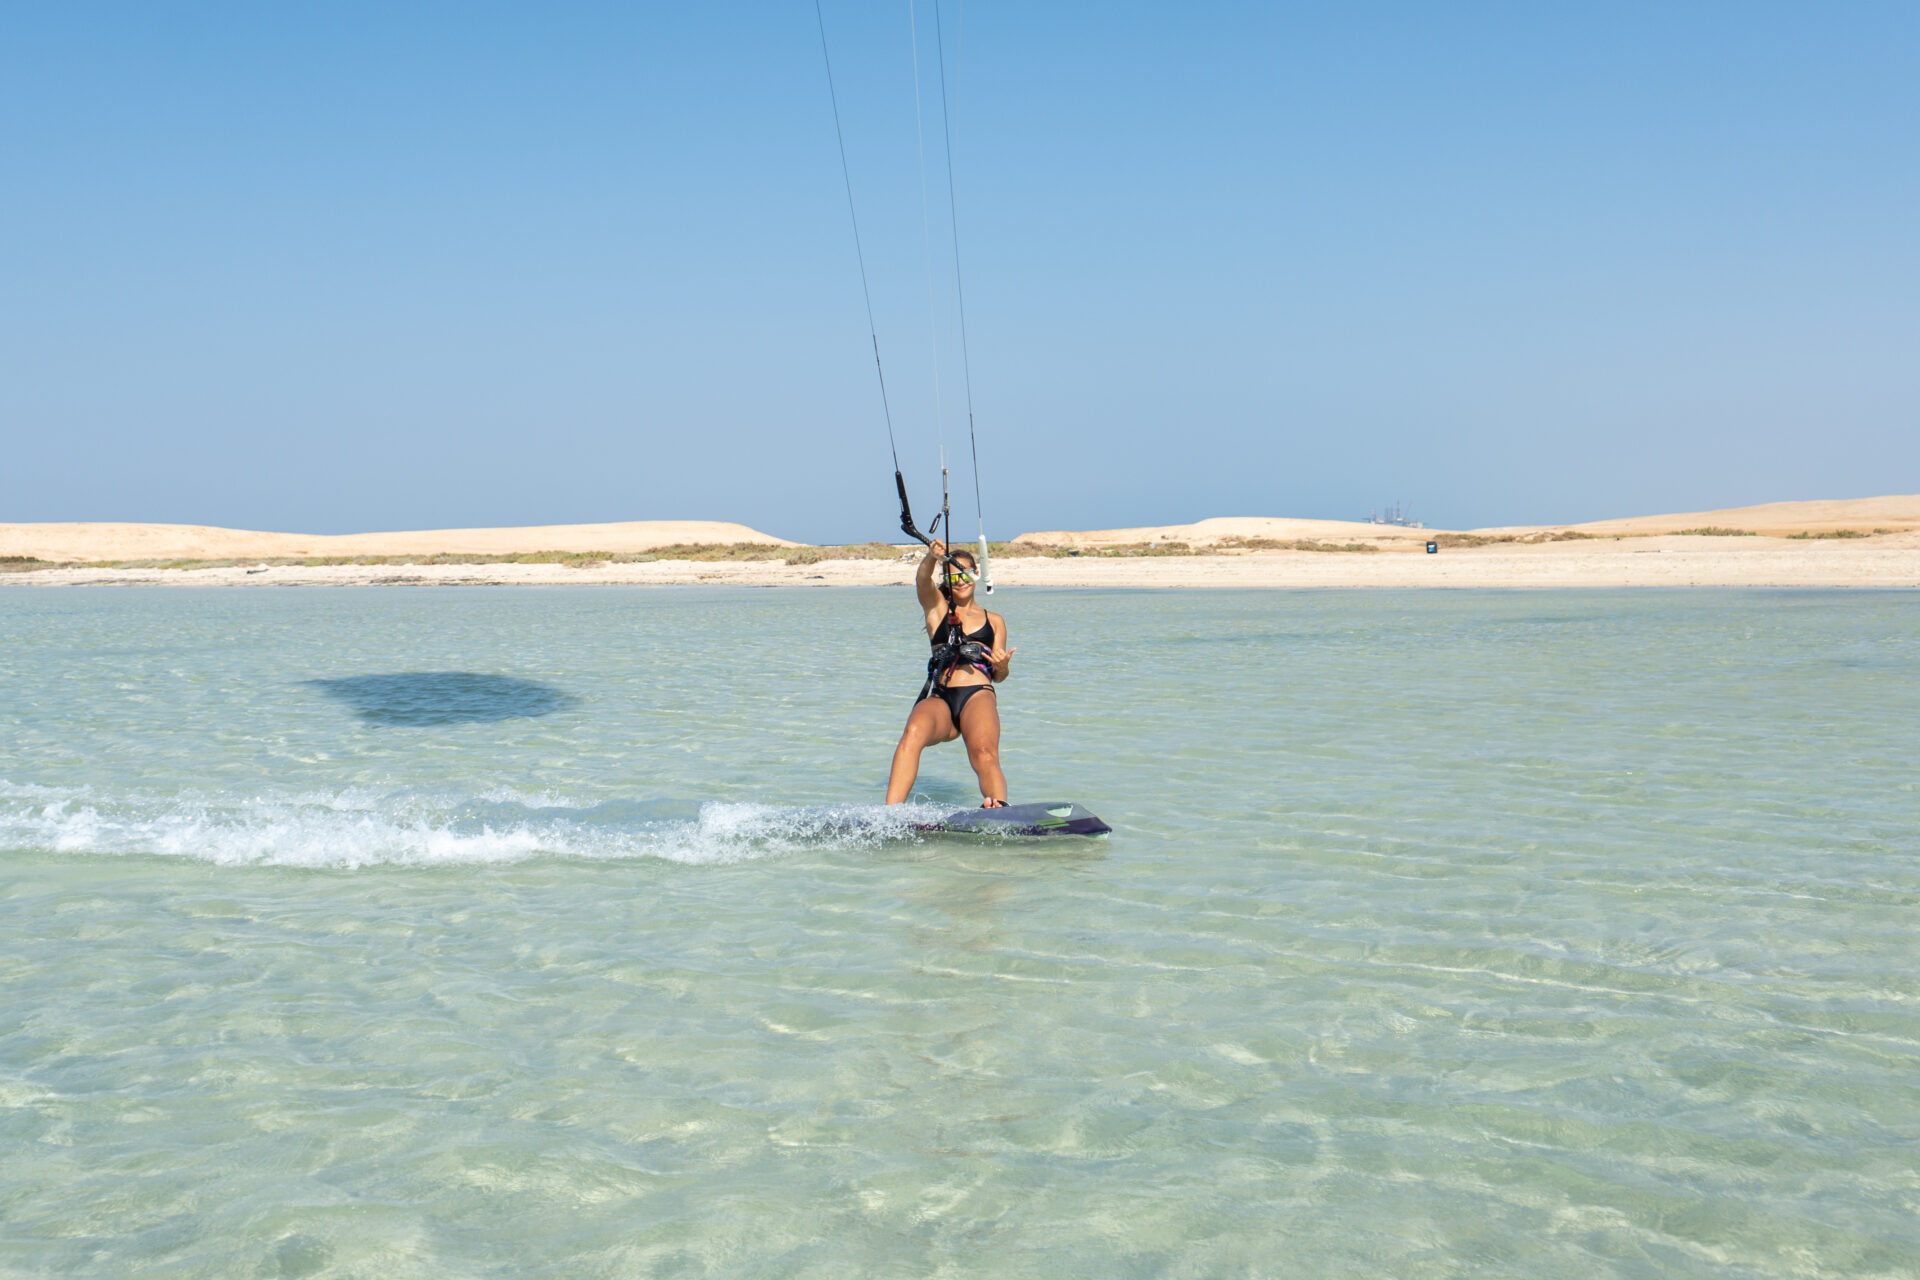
951, 628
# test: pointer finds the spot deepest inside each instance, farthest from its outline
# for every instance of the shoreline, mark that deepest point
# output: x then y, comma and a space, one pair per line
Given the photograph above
1853, 542
1883, 561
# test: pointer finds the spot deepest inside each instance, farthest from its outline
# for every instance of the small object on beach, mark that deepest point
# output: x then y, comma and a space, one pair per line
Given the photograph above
1053, 818
1433, 548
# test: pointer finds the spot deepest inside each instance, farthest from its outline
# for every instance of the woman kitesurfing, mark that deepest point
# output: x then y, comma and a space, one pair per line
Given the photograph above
970, 656
970, 653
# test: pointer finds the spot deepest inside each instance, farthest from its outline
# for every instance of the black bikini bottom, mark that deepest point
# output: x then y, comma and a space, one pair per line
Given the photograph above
956, 698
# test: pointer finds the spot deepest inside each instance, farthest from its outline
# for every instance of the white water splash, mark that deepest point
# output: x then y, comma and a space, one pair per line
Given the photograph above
363, 827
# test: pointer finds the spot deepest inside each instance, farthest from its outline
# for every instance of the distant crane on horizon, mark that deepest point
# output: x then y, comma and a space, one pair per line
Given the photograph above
1397, 514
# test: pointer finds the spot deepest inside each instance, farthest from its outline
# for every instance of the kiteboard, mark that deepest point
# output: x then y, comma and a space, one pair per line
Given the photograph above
1056, 818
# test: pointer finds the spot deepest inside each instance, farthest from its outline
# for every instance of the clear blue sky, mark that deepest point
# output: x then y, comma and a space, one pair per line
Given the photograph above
365, 266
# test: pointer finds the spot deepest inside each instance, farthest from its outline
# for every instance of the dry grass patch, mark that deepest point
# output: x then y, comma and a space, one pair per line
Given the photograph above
853, 551
705, 552
1520, 539
1122, 550
1292, 544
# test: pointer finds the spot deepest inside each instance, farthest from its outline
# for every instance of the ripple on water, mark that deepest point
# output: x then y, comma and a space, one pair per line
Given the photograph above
1440, 934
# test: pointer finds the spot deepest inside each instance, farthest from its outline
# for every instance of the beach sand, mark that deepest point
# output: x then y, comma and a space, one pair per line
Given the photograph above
1898, 513
63, 542
1645, 551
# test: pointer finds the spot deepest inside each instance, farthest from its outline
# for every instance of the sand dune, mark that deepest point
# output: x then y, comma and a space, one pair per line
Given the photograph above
1795, 547
202, 542
1898, 513
1887, 560
1210, 533
1895, 512
81, 542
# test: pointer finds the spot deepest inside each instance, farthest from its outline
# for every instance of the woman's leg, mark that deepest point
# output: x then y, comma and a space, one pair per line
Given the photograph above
980, 726
929, 722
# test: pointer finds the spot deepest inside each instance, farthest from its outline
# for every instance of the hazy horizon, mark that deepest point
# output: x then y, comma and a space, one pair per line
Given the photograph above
894, 536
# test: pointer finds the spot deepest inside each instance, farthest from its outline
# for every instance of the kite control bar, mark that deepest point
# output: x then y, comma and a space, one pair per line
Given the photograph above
908, 527
906, 513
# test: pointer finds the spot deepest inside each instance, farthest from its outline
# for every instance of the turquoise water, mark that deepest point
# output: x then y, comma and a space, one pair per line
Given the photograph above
524, 932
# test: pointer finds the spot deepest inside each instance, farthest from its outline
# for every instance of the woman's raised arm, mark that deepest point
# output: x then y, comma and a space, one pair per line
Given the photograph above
923, 577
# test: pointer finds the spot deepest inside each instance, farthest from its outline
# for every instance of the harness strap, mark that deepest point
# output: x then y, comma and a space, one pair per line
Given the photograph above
954, 649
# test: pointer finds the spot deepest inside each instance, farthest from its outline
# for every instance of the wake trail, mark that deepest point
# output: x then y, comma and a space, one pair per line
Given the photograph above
368, 827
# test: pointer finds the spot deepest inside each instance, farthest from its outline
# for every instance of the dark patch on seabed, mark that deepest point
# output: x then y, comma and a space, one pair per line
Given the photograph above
420, 698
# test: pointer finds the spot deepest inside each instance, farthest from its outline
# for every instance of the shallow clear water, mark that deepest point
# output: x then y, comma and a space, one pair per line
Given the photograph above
524, 932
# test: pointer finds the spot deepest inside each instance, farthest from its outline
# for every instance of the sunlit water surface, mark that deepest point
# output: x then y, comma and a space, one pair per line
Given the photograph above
440, 932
